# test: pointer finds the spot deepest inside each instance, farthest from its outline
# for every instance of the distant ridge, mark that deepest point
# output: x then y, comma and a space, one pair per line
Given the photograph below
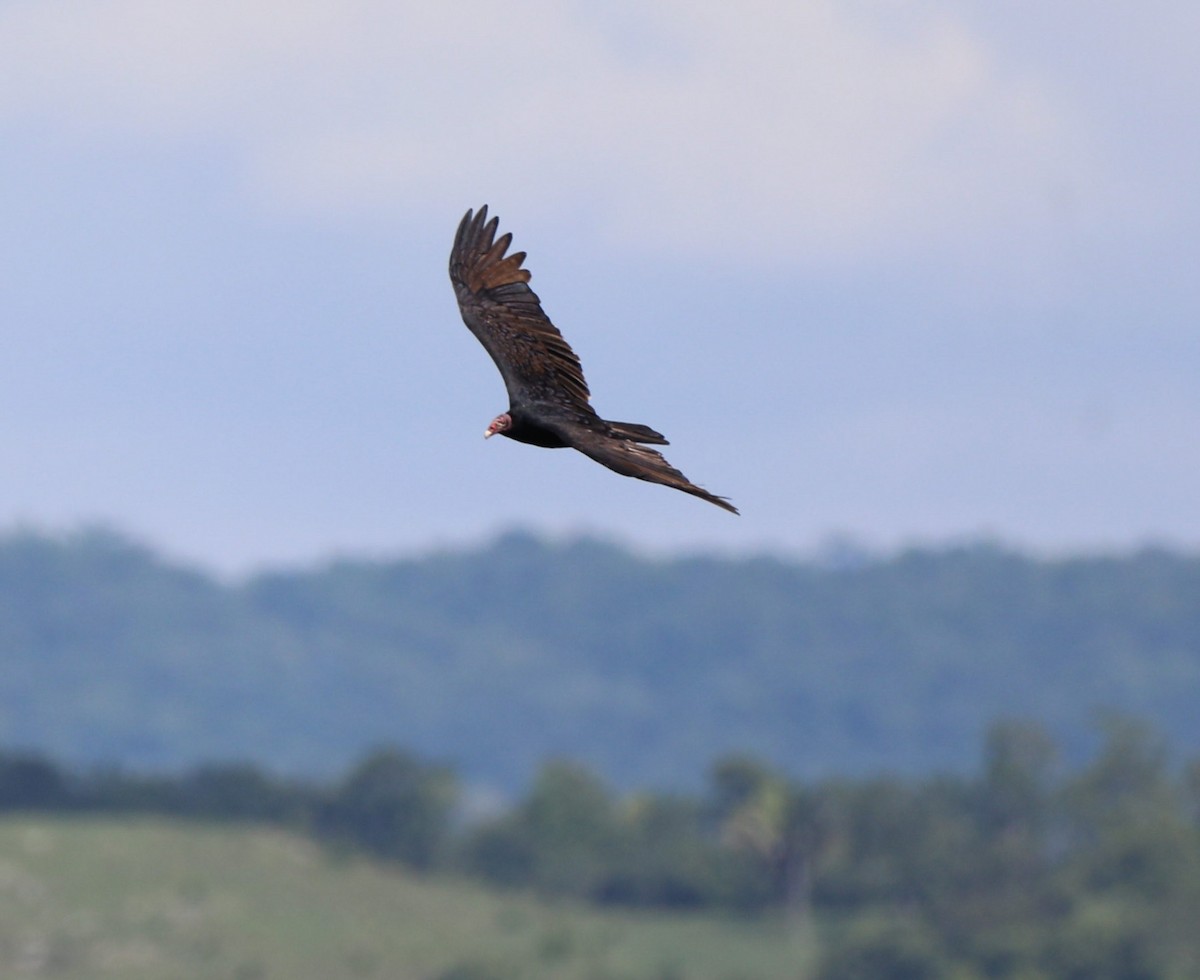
646, 670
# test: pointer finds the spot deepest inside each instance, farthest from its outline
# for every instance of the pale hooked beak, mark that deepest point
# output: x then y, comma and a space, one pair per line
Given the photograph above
489, 433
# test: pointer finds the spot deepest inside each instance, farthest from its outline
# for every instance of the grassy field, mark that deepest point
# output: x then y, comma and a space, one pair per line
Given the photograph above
155, 900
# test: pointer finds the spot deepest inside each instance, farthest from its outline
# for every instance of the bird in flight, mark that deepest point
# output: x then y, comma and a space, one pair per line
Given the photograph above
548, 398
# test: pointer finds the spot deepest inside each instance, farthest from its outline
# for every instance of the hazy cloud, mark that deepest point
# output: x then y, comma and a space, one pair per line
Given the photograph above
787, 129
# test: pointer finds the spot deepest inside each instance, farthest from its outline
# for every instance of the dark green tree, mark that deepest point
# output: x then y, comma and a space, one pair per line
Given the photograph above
29, 781
571, 821
394, 806
1128, 816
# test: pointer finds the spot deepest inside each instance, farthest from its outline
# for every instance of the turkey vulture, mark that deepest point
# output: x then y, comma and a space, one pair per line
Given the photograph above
548, 398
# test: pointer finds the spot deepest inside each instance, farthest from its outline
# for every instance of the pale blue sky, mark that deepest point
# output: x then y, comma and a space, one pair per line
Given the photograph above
904, 271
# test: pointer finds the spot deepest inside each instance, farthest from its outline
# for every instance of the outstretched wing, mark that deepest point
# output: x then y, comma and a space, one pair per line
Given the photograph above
632, 459
506, 316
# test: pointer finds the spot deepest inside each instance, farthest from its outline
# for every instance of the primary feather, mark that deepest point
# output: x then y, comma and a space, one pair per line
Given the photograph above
548, 396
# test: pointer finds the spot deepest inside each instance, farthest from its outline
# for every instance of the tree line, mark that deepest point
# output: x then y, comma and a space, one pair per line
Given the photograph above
1026, 868
647, 668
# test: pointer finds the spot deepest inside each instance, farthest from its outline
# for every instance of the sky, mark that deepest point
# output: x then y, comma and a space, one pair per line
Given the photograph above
907, 273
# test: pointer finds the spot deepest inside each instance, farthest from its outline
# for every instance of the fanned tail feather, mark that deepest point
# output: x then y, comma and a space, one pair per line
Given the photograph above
635, 432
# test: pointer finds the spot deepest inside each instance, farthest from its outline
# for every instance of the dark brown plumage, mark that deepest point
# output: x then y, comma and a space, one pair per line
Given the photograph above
548, 397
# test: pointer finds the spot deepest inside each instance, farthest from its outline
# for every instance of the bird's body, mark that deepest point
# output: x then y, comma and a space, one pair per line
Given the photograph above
531, 432
548, 398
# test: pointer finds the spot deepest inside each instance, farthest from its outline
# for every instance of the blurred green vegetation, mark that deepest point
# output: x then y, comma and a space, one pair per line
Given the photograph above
642, 670
1026, 869
82, 899
1068, 848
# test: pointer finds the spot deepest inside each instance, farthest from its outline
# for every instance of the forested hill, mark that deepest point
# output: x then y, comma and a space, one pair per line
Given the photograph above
644, 670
